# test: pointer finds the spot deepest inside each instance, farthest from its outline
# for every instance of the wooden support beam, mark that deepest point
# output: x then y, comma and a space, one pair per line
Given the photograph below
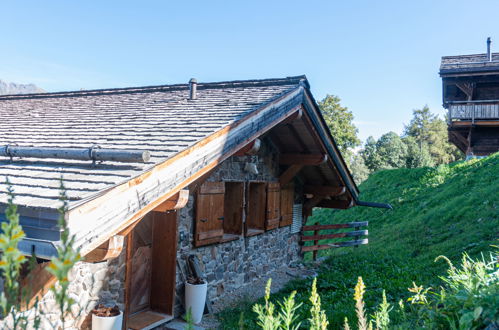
336, 204
250, 149
295, 116
177, 201
302, 159
467, 88
289, 174
324, 190
108, 250
312, 202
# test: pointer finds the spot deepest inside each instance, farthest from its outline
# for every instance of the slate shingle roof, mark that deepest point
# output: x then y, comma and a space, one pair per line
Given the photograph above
160, 119
469, 63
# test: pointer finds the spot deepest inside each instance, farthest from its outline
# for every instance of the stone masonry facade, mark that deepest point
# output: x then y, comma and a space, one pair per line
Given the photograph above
234, 264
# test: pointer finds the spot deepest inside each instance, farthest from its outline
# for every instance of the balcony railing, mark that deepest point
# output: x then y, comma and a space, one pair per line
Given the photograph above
474, 110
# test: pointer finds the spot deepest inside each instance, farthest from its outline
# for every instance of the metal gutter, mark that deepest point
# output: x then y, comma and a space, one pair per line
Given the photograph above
373, 204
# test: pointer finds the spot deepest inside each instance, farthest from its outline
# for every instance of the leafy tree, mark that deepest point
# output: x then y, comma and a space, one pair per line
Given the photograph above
427, 129
419, 126
392, 150
417, 156
370, 154
340, 123
358, 168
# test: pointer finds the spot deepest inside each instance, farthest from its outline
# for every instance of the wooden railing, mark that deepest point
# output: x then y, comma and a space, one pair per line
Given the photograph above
316, 236
474, 110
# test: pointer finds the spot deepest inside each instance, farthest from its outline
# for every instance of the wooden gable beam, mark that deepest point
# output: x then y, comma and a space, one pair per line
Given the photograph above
302, 159
177, 201
289, 174
295, 116
108, 250
250, 149
313, 202
336, 204
324, 190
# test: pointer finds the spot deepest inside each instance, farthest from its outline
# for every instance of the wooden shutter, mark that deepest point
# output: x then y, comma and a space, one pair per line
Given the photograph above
273, 206
287, 200
209, 213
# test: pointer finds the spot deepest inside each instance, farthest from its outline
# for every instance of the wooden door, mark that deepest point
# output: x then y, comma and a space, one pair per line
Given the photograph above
151, 270
141, 265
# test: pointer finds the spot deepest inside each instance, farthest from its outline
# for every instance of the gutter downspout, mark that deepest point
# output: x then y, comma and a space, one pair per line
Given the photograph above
373, 204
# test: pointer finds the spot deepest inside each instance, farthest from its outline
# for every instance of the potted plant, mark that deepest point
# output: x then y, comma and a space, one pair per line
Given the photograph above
195, 297
107, 318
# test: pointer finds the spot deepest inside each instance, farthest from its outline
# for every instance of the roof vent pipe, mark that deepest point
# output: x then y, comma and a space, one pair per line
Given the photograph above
489, 53
193, 86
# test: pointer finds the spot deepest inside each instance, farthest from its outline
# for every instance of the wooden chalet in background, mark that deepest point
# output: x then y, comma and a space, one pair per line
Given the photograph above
470, 86
228, 171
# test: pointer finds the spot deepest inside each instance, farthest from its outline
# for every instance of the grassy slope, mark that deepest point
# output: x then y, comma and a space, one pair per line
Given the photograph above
441, 211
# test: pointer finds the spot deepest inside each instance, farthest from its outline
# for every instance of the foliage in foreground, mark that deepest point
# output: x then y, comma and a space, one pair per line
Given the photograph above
15, 298
468, 300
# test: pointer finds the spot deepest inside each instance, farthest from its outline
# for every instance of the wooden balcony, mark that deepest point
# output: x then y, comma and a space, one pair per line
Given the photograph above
474, 112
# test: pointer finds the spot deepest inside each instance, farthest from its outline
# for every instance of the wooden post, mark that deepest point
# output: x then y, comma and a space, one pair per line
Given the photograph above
316, 242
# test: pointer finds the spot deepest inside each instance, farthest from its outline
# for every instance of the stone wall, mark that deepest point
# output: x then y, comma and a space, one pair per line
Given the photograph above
231, 265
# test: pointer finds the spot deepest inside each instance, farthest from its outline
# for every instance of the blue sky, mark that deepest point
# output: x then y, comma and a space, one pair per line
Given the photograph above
380, 57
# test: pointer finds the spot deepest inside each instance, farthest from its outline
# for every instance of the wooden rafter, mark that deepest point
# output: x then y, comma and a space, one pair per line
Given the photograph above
313, 202
250, 149
296, 116
324, 190
336, 204
177, 201
302, 159
289, 174
467, 88
108, 250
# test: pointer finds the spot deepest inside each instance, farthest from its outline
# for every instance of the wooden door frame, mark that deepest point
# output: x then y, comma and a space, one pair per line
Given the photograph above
168, 269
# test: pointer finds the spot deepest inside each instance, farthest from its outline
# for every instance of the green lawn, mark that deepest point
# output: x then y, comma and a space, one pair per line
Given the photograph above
446, 210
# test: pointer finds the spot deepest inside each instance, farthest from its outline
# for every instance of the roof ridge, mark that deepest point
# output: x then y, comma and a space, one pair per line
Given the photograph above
153, 88
469, 55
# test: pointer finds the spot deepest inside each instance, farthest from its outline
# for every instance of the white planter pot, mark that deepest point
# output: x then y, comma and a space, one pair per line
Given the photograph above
195, 299
108, 322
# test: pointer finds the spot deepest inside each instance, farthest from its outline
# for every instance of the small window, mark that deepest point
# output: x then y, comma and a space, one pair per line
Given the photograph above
233, 210
210, 213
297, 218
256, 208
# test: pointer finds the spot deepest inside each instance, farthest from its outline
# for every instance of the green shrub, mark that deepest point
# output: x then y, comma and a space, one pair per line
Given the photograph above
13, 297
